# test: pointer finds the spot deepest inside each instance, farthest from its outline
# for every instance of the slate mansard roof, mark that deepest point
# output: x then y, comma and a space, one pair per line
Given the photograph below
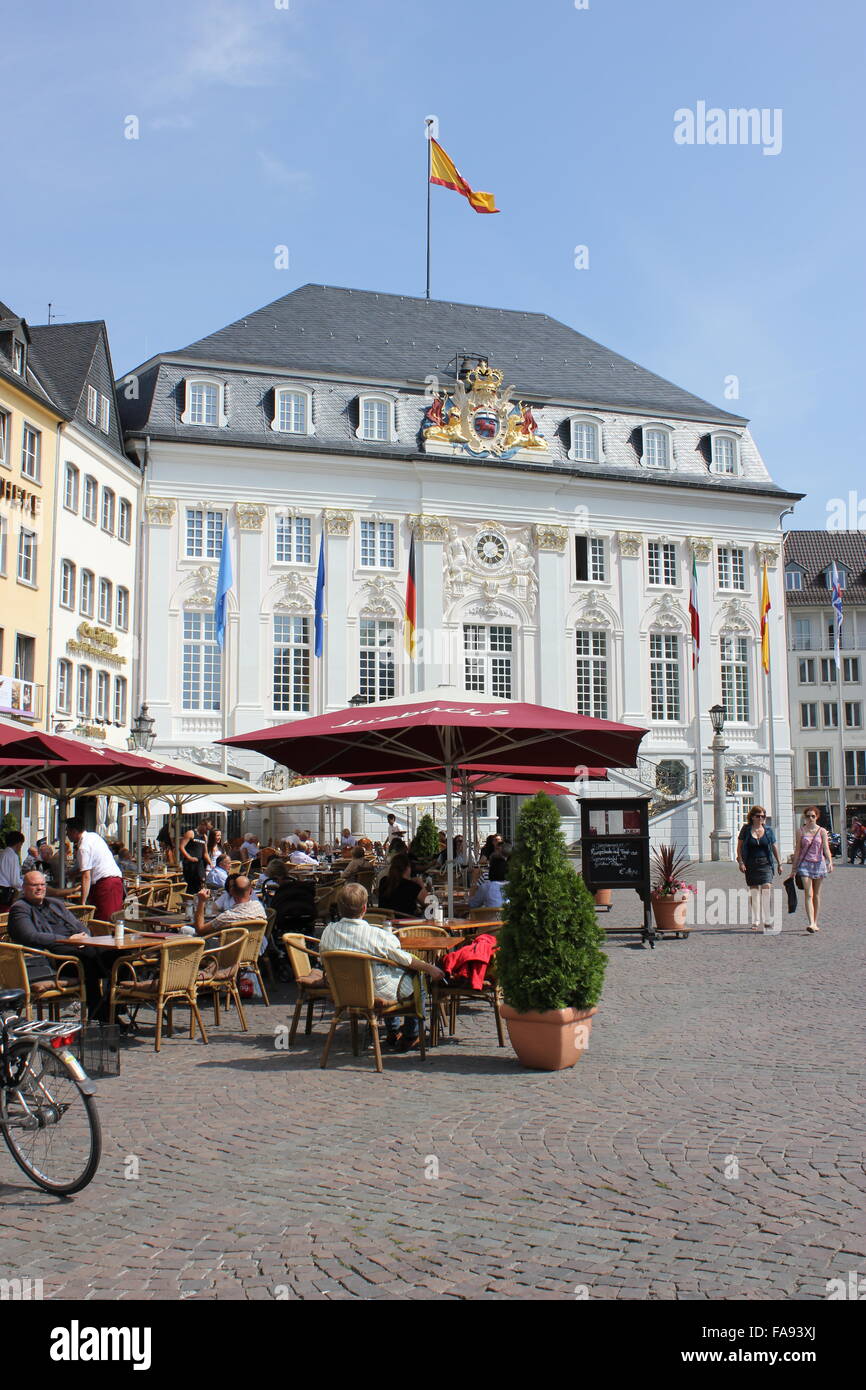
76, 355
339, 341
815, 551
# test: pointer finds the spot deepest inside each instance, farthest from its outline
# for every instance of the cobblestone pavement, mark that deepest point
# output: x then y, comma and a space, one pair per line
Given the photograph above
261, 1176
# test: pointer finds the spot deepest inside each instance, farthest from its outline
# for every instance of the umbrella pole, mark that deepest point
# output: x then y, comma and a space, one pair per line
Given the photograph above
138, 829
449, 836
61, 828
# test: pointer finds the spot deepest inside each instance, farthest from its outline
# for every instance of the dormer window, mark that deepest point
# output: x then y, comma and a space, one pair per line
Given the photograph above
205, 403
793, 577
92, 405
292, 411
104, 414
376, 414
657, 446
842, 573
19, 356
725, 454
585, 439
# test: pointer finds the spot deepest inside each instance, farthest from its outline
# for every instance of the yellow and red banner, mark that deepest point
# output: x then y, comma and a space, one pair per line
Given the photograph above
411, 600
444, 171
765, 626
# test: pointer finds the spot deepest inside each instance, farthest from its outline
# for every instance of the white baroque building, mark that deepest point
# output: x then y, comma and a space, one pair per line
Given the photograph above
555, 522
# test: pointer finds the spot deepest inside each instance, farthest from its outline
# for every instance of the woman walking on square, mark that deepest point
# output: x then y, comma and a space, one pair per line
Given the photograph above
813, 860
756, 849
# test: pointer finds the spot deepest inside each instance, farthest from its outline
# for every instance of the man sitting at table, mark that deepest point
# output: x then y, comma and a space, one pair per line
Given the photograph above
243, 906
48, 925
391, 982
218, 873
300, 856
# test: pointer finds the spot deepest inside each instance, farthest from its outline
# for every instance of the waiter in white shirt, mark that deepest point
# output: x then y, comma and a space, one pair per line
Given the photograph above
10, 867
101, 879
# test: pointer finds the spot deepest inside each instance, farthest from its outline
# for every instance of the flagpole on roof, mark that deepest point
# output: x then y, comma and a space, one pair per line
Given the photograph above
428, 131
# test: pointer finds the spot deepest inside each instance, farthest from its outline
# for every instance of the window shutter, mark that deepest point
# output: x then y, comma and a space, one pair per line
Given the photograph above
635, 439
705, 448
581, 556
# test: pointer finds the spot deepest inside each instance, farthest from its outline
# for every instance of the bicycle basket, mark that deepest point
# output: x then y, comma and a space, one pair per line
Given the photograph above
98, 1049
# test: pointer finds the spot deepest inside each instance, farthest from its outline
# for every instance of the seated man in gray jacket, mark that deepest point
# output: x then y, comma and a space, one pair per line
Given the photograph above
47, 924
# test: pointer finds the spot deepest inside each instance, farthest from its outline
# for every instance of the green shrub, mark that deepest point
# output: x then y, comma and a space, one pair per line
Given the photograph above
550, 955
7, 825
425, 842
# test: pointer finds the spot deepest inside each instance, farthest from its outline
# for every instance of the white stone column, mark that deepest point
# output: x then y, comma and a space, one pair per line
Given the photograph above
337, 675
553, 665
245, 653
156, 629
432, 664
635, 701
703, 680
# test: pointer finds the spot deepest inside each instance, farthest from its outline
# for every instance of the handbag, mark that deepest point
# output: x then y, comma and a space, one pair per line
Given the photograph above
791, 890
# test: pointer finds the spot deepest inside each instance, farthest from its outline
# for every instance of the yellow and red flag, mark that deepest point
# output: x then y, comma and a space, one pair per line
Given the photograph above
444, 171
765, 626
411, 599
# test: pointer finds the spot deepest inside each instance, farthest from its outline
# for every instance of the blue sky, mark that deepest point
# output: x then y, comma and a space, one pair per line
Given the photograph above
262, 125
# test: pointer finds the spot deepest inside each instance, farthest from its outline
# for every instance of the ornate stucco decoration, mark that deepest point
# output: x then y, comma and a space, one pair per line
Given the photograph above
251, 515
490, 560
160, 511
630, 543
768, 555
702, 547
337, 523
203, 593
294, 596
550, 537
430, 528
733, 617
592, 613
666, 612
379, 600
481, 421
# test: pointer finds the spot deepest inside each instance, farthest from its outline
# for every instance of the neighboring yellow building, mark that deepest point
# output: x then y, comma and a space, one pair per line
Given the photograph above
29, 434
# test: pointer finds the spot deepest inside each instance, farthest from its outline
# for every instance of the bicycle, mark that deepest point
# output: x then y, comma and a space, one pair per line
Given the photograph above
42, 1084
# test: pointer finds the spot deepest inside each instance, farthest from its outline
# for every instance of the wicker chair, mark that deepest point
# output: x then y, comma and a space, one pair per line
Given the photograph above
50, 993
407, 936
485, 914
251, 956
175, 981
309, 979
442, 994
227, 961
85, 915
350, 977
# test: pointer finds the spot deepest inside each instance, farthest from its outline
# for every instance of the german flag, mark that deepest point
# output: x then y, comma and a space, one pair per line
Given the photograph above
411, 601
765, 626
445, 172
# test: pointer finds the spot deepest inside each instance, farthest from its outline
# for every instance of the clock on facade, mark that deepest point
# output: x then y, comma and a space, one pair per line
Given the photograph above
490, 549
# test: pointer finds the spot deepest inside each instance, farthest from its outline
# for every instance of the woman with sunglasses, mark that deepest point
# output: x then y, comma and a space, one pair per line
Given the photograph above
756, 850
813, 861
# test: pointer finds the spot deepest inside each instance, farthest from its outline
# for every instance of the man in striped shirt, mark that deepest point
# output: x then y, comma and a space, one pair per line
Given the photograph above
391, 982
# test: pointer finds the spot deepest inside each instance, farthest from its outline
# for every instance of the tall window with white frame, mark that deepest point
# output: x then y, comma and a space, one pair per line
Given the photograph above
292, 412
657, 448
106, 601
293, 540
665, 701
124, 520
735, 679
375, 420
724, 454
592, 672
377, 544
732, 567
87, 590
119, 710
4, 543
103, 695
291, 664
203, 403
204, 533
377, 676
855, 767
85, 691
488, 654
201, 662
122, 609
31, 453
26, 557
743, 788
91, 499
64, 686
584, 441
662, 563
4, 438
818, 767
70, 488
589, 560
67, 584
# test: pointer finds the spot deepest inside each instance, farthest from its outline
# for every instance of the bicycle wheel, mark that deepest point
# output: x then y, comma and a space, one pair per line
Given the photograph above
50, 1124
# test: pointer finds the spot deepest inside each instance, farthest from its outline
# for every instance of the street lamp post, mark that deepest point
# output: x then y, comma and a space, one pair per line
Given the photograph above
720, 837
141, 740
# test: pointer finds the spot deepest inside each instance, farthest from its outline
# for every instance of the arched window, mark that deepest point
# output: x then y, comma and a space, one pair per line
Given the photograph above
292, 411
376, 419
585, 439
726, 454
205, 403
657, 446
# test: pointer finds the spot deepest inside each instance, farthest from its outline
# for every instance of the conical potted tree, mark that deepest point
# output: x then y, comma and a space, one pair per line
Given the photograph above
425, 842
550, 964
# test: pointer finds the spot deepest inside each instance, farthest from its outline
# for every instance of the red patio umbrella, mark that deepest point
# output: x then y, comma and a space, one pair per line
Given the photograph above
442, 729
480, 773
499, 786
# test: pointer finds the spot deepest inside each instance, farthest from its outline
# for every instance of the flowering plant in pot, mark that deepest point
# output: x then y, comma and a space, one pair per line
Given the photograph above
668, 890
550, 964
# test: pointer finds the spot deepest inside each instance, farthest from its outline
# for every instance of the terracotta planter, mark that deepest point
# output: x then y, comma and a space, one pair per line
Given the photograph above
669, 910
603, 897
551, 1040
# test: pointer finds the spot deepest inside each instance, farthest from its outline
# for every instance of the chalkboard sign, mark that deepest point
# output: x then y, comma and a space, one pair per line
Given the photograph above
615, 861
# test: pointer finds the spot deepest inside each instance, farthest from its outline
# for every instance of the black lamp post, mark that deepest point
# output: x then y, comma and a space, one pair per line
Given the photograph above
357, 700
141, 740
720, 837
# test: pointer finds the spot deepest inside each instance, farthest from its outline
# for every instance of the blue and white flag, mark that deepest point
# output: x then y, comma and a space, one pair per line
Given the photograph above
320, 599
225, 580
837, 610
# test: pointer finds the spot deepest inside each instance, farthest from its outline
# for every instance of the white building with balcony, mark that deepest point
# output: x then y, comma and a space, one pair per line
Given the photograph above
555, 523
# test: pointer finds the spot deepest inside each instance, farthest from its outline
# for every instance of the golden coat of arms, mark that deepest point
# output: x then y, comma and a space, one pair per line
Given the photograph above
482, 420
